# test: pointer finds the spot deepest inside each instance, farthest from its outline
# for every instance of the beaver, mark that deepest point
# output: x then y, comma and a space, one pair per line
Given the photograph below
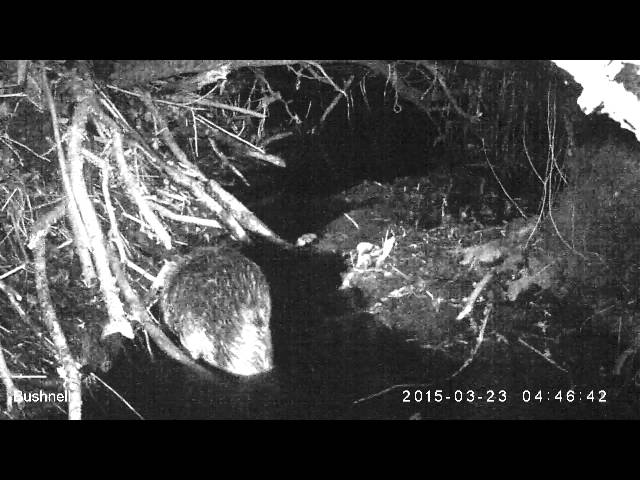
217, 302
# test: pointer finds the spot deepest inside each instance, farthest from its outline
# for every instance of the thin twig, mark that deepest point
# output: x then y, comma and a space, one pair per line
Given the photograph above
114, 231
9, 386
209, 123
479, 340
225, 161
14, 298
165, 212
328, 78
335, 101
351, 220
12, 271
495, 175
390, 389
7, 138
474, 295
535, 350
120, 397
526, 152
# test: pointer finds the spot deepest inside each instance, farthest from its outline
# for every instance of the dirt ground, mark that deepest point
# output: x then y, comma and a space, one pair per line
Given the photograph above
549, 355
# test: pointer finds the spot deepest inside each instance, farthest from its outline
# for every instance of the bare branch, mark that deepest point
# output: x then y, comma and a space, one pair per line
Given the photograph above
70, 368
80, 235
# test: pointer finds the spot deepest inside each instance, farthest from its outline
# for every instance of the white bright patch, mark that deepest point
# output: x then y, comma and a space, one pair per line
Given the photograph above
199, 345
250, 350
248, 354
122, 327
596, 78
